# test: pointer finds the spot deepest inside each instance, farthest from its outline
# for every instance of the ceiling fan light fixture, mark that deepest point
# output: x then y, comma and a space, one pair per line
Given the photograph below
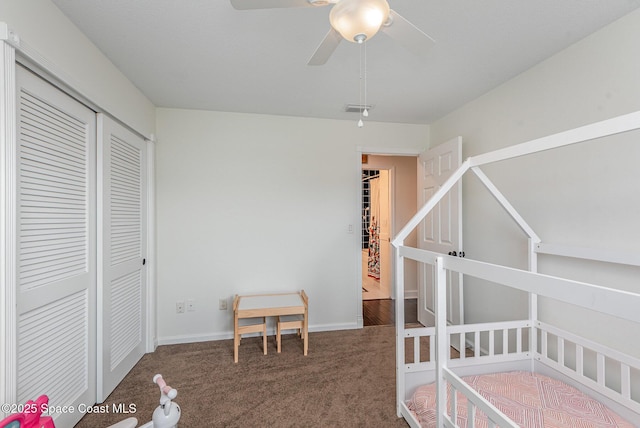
359, 20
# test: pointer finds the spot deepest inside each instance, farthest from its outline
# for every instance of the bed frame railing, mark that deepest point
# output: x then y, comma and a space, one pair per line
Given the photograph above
618, 303
532, 340
587, 365
470, 344
494, 416
602, 369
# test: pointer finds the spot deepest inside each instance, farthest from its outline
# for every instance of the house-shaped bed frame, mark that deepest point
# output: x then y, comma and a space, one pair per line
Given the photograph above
601, 372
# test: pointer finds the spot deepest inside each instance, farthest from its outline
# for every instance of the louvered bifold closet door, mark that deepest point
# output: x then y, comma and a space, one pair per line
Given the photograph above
56, 248
121, 265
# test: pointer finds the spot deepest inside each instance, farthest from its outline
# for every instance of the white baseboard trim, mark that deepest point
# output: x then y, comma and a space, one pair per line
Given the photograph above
411, 294
227, 335
334, 327
176, 340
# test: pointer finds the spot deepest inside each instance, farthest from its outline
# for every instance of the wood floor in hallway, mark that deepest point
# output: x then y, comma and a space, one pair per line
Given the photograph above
382, 311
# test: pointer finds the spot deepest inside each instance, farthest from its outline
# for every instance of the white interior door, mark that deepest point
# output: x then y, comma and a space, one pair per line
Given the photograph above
121, 264
56, 258
441, 230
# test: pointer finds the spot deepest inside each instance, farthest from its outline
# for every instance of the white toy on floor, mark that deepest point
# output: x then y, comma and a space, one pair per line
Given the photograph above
166, 415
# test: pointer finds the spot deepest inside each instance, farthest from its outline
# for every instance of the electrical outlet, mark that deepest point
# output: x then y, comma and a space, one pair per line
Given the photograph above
191, 305
222, 304
180, 307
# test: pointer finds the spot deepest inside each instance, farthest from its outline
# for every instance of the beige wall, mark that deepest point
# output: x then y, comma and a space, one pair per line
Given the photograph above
257, 203
47, 33
584, 195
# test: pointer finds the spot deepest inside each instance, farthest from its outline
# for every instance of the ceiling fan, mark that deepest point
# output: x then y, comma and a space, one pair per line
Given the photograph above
352, 20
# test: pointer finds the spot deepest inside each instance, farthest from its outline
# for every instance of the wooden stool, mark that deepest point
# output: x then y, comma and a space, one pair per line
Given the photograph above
298, 322
248, 325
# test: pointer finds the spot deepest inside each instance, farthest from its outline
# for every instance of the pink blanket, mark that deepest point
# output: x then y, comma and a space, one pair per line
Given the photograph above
531, 400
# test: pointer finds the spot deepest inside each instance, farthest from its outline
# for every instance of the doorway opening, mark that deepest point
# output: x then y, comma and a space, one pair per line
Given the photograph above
400, 166
376, 233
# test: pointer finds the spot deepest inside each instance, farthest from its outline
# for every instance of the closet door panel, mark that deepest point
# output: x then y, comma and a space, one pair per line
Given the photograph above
56, 247
121, 266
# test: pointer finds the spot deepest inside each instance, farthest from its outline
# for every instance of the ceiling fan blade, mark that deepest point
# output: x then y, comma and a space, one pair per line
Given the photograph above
268, 4
326, 48
407, 34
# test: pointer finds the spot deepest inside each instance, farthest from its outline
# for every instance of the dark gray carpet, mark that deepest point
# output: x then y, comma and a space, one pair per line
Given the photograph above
346, 380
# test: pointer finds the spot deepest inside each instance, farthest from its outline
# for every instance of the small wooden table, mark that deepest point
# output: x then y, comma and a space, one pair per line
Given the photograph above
268, 305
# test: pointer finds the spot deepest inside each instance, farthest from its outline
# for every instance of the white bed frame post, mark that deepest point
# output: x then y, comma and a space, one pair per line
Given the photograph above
533, 301
442, 342
400, 381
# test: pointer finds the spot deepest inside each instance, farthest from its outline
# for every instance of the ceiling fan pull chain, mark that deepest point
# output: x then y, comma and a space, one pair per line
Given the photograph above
365, 112
360, 122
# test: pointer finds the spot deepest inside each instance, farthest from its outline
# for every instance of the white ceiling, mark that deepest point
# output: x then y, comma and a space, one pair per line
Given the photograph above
203, 54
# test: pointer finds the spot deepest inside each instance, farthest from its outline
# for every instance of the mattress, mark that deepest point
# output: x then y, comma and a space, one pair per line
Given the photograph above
529, 399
